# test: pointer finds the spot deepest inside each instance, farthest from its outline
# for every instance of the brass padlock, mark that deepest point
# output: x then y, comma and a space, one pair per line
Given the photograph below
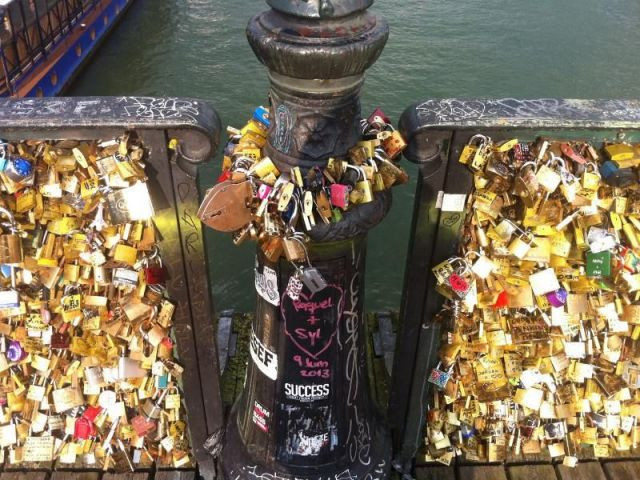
294, 249
526, 184
10, 243
520, 246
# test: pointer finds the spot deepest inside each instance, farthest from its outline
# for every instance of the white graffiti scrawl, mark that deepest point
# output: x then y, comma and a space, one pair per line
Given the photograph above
160, 108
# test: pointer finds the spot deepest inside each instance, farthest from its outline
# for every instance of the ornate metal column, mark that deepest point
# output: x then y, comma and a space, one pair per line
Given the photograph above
306, 410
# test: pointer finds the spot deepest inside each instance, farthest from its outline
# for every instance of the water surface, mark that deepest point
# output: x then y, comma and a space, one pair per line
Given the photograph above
437, 48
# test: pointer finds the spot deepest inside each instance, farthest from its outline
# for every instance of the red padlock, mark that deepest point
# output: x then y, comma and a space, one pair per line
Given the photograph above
91, 413
142, 426
378, 119
340, 195
84, 429
459, 284
224, 176
571, 154
502, 301
156, 275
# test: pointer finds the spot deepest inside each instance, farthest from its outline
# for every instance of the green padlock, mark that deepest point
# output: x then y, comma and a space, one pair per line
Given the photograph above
599, 264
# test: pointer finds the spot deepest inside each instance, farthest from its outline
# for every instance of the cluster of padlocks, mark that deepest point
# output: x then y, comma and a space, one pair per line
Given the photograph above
253, 199
540, 346
87, 370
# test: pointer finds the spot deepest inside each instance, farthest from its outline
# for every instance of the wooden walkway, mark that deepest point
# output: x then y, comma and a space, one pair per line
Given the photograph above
75, 475
380, 327
590, 470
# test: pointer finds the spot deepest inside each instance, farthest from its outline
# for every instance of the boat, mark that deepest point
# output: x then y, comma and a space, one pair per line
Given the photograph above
45, 43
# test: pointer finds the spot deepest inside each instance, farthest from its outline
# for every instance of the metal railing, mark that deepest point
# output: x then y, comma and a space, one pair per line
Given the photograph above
437, 131
156, 120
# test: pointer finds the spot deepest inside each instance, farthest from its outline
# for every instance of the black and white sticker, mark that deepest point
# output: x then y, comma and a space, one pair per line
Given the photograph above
261, 417
267, 285
265, 359
306, 393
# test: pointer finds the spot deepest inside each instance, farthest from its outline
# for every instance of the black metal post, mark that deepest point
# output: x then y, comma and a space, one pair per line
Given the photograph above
306, 412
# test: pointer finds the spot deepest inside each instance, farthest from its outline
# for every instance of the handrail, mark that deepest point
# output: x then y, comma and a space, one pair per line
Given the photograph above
173, 186
550, 113
436, 131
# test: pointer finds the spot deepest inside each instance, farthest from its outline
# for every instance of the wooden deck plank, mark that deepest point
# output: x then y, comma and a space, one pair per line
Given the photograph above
23, 476
531, 472
126, 476
482, 472
584, 470
175, 475
62, 475
622, 470
439, 472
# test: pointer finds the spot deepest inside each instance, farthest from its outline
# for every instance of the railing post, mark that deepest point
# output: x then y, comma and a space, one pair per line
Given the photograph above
305, 412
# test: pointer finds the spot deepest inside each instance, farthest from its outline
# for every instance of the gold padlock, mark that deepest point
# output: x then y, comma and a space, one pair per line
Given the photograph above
520, 246
10, 243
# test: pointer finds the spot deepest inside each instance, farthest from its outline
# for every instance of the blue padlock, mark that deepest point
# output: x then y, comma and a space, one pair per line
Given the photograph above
615, 176
5, 270
230, 148
261, 115
18, 169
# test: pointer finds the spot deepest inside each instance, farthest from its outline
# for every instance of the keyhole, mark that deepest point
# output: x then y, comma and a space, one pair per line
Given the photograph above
326, 8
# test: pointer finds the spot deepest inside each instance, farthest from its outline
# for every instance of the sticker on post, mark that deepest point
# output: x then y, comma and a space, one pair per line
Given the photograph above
265, 359
267, 285
452, 202
261, 417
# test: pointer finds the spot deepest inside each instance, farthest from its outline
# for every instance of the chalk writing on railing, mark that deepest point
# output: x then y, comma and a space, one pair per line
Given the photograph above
455, 110
160, 108
359, 433
253, 473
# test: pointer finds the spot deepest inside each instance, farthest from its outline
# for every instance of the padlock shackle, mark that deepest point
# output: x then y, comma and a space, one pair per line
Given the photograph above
12, 221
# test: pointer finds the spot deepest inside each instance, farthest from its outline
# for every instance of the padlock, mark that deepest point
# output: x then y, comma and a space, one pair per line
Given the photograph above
591, 177
155, 272
261, 114
619, 152
364, 186
340, 195
520, 246
598, 264
264, 191
615, 176
526, 184
394, 145
130, 204
19, 170
475, 152
378, 120
294, 249
10, 243
358, 155
272, 247
457, 280
294, 287
263, 168
313, 280
571, 154
225, 206
439, 377
285, 194
548, 178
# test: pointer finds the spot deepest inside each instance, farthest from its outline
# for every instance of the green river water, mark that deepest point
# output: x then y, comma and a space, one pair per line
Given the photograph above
437, 48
